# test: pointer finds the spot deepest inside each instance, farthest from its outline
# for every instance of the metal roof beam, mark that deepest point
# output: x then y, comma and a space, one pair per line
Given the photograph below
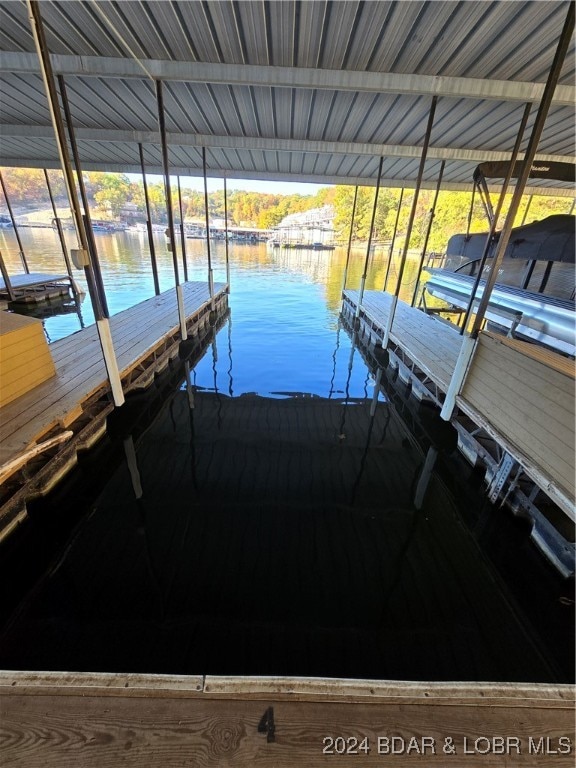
288, 77
271, 145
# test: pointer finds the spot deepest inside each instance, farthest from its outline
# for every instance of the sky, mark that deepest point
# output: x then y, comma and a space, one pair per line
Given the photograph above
248, 185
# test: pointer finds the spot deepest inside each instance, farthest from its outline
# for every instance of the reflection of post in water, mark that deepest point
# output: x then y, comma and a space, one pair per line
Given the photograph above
425, 476
362, 460
336, 348
230, 390
215, 375
341, 433
419, 494
132, 462
142, 530
381, 360
190, 390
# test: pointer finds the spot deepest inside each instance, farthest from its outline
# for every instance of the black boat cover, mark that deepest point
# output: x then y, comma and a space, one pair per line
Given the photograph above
551, 239
539, 170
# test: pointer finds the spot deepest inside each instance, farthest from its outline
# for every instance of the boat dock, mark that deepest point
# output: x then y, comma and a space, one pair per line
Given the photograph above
34, 287
386, 96
515, 409
145, 336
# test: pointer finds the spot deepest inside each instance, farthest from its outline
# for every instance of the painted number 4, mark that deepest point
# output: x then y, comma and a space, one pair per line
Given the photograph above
266, 724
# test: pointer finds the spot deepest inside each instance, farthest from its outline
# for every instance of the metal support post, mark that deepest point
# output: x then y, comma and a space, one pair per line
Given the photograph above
496, 217
13, 220
210, 273
428, 231
469, 342
458, 376
367, 259
6, 278
529, 155
102, 323
151, 245
345, 278
56, 221
528, 204
226, 237
470, 213
391, 251
392, 310
169, 211
90, 241
182, 232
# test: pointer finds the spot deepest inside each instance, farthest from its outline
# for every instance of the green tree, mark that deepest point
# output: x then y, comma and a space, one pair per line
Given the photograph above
112, 191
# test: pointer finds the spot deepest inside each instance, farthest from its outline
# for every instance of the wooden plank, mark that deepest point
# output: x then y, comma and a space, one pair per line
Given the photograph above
547, 356
533, 413
429, 343
536, 401
32, 279
66, 369
25, 359
102, 720
136, 331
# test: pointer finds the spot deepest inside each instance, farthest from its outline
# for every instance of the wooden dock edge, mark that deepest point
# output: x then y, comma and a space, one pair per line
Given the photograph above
73, 719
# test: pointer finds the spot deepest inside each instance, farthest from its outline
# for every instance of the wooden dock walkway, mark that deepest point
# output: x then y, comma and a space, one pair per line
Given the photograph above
433, 344
138, 333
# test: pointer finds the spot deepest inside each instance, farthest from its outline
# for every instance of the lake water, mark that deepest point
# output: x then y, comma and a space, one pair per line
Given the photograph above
284, 304
275, 527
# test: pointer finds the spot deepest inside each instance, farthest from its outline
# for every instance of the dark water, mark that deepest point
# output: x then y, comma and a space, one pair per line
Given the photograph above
252, 517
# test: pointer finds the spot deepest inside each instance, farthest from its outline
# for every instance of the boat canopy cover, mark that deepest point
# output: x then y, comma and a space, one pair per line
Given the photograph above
539, 170
551, 239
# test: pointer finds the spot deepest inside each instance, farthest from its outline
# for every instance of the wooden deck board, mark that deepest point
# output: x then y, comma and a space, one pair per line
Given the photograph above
432, 344
100, 720
80, 370
30, 280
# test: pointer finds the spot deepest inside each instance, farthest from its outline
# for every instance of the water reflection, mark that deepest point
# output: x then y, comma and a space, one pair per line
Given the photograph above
227, 531
285, 302
244, 536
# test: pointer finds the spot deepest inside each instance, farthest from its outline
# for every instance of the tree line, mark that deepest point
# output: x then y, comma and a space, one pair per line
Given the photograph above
114, 195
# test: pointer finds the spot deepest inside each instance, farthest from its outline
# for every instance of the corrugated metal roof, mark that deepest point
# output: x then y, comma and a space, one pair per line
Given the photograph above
332, 124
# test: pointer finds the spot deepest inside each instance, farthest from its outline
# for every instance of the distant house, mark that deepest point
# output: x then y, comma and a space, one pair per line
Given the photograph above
313, 226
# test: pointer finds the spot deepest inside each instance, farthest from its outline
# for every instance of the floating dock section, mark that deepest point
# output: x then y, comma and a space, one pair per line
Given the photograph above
34, 287
515, 412
68, 411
